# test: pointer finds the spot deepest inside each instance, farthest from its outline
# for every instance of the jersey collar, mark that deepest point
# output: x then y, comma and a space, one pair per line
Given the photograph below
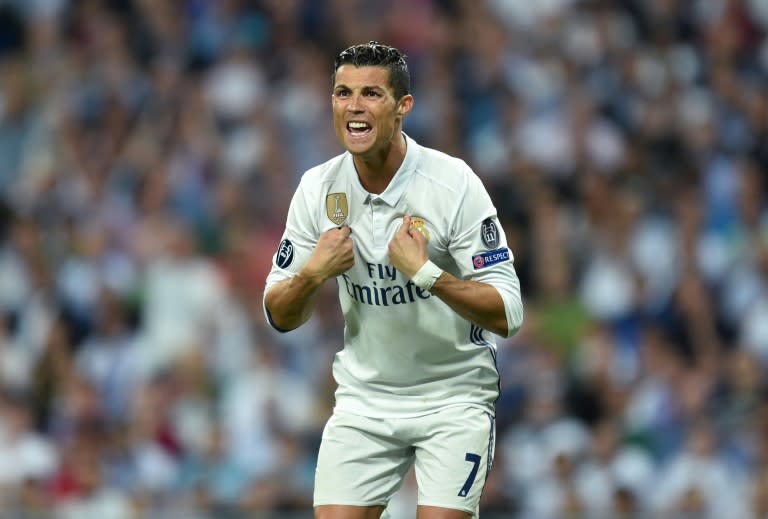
402, 177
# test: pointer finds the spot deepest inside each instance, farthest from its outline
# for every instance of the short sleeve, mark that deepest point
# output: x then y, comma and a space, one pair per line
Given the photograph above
297, 242
480, 250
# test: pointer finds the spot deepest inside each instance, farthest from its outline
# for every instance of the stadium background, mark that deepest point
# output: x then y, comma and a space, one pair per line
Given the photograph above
148, 151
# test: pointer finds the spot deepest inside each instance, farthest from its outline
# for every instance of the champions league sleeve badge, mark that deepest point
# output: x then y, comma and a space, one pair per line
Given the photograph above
284, 255
489, 233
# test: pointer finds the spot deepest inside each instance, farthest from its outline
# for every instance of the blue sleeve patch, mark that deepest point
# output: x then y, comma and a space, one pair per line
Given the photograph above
285, 254
487, 259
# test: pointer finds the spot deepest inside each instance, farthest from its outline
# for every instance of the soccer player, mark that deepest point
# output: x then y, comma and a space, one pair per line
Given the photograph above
425, 278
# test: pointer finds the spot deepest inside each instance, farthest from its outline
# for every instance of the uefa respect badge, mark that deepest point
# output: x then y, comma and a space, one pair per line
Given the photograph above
490, 258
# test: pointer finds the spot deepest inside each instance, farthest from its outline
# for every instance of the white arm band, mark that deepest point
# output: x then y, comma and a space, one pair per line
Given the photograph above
427, 275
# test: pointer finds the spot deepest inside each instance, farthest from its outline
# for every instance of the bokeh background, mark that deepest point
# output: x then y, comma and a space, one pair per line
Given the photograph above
148, 152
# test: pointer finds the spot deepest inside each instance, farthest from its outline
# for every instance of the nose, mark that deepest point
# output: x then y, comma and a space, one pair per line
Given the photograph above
354, 104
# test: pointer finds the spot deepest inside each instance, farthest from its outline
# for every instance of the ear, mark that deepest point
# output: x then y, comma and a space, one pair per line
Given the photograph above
404, 105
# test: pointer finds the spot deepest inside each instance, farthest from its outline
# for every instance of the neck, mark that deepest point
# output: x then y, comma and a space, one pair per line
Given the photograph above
376, 171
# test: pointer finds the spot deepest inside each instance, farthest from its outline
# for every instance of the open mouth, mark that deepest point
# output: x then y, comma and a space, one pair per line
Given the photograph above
358, 128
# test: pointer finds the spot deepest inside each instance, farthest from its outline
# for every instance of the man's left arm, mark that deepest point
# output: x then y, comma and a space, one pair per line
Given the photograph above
479, 303
491, 301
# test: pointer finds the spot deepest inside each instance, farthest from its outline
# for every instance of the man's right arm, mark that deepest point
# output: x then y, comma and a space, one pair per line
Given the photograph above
289, 303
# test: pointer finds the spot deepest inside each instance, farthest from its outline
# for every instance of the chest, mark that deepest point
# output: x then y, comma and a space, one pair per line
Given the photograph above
374, 222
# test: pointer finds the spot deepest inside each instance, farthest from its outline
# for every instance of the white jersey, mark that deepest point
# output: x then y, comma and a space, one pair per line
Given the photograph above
406, 353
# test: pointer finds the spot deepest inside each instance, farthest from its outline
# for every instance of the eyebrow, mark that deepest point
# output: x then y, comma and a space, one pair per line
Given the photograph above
364, 87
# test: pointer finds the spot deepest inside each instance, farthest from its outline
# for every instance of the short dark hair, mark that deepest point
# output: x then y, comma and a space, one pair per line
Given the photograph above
375, 54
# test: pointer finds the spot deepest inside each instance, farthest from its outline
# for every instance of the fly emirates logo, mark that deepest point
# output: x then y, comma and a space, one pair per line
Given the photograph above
383, 288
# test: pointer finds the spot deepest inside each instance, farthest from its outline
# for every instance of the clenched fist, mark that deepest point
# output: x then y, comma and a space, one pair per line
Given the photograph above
333, 254
408, 249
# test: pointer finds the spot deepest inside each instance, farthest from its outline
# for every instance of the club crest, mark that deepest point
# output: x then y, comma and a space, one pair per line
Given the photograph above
336, 207
419, 224
489, 233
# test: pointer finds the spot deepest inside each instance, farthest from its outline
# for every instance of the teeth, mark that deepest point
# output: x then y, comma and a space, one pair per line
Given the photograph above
358, 125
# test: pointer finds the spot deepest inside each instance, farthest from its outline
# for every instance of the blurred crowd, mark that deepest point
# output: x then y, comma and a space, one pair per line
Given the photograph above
148, 152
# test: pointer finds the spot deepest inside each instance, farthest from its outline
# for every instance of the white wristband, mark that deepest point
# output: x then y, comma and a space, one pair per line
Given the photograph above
427, 275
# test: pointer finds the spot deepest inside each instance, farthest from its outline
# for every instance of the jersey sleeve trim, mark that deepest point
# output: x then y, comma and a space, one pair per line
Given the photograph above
513, 307
268, 316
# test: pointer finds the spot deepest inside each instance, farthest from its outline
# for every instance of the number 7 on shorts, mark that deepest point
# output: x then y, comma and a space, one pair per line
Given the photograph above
475, 459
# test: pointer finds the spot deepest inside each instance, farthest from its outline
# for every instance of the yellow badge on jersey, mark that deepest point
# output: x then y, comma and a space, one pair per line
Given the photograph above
336, 207
419, 224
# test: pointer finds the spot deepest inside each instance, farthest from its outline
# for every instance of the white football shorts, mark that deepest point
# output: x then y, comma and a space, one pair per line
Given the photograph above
362, 461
